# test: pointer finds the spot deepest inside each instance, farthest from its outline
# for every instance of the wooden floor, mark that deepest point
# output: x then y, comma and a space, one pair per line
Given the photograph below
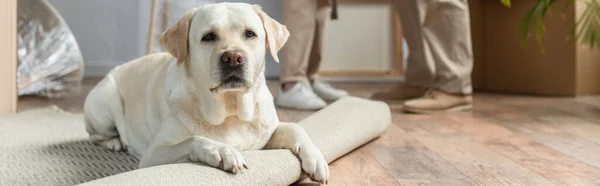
505, 140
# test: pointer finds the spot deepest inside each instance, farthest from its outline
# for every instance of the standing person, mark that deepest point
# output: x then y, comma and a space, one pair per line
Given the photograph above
438, 72
301, 57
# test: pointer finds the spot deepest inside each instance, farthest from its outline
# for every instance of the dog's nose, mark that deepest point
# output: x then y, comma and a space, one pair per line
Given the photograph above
233, 58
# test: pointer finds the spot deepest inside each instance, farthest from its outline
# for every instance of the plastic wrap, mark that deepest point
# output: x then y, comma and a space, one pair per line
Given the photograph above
50, 63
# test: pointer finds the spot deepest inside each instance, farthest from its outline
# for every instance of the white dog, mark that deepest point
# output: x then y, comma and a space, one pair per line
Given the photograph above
205, 100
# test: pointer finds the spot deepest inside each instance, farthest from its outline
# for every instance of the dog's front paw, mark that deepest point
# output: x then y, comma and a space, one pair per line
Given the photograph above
313, 162
225, 158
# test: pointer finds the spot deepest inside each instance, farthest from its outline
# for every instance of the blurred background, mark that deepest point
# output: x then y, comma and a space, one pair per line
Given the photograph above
365, 45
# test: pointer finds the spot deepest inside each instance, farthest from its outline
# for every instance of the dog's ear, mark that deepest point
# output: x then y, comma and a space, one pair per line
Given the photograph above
277, 34
175, 39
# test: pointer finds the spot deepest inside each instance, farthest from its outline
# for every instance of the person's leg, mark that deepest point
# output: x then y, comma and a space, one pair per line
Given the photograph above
420, 69
323, 89
447, 32
322, 16
295, 91
299, 18
450, 37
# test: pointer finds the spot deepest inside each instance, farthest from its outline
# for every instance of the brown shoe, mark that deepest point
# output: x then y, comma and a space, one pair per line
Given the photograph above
399, 92
436, 101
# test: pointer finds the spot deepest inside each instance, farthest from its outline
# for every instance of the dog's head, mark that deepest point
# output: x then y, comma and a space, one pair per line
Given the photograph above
223, 45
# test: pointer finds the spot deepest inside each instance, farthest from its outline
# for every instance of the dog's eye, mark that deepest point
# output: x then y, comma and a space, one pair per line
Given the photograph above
209, 37
250, 34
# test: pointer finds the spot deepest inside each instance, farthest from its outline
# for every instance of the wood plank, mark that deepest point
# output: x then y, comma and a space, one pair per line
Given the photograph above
8, 56
548, 135
572, 115
357, 168
590, 100
549, 163
576, 126
483, 165
587, 110
560, 140
410, 162
360, 168
510, 108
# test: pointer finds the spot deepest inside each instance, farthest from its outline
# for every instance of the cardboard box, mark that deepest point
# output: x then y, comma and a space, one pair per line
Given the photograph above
503, 64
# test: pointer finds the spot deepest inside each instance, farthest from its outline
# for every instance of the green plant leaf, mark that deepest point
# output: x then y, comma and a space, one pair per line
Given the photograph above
505, 2
585, 31
533, 21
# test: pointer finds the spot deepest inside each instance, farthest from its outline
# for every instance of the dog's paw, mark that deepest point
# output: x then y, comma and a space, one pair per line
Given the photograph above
113, 144
313, 163
225, 158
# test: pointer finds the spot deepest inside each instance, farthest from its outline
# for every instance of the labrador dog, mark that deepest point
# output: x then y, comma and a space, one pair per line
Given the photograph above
204, 100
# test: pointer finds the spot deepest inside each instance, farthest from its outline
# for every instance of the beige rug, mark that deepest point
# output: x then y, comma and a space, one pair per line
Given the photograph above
50, 147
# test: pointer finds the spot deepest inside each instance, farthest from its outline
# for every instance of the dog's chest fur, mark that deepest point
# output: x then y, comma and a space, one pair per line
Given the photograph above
239, 134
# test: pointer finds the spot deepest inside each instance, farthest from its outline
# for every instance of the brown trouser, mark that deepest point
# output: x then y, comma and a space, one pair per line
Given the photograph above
301, 55
438, 33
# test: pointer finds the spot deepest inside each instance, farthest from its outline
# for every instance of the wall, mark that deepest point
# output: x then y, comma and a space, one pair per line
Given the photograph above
112, 32
108, 32
365, 47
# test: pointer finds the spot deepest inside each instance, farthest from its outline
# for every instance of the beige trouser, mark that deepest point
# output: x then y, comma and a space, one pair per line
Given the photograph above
301, 55
439, 37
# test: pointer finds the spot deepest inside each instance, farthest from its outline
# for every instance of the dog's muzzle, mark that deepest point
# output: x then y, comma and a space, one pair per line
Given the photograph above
232, 66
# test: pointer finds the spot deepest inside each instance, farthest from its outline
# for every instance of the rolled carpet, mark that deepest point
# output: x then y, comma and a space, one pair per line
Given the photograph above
336, 130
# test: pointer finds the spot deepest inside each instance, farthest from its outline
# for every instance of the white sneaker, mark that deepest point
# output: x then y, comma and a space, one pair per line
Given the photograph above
327, 92
300, 96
